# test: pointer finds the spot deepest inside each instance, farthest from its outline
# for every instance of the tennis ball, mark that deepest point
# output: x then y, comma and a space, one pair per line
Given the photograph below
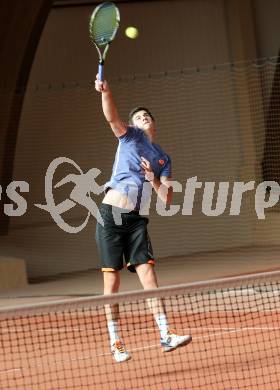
131, 32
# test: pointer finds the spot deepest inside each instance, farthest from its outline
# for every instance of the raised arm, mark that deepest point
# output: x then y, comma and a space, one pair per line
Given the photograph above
109, 108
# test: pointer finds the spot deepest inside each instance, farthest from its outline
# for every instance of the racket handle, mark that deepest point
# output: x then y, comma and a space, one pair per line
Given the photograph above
100, 72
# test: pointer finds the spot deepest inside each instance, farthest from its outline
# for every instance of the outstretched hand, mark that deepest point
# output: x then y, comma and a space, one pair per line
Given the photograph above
146, 166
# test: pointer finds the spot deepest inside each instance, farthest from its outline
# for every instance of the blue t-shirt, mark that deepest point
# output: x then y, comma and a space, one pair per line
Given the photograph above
128, 177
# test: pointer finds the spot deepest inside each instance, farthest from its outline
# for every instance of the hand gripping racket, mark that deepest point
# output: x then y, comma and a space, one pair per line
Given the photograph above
103, 26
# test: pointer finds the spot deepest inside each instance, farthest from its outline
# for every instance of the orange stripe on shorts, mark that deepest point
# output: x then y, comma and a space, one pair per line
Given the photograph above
108, 270
151, 262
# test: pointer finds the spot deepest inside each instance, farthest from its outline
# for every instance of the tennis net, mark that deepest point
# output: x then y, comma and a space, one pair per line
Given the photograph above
234, 322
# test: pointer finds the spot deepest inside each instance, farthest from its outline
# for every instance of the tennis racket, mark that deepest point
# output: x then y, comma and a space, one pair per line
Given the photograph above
103, 26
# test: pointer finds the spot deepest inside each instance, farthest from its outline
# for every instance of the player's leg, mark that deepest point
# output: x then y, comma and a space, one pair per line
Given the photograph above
110, 246
147, 277
140, 259
111, 286
168, 339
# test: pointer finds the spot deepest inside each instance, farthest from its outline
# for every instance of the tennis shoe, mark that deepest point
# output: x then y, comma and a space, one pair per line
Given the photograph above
119, 352
173, 341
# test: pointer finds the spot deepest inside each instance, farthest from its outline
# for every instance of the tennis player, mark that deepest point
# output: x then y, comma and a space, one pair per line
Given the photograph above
138, 162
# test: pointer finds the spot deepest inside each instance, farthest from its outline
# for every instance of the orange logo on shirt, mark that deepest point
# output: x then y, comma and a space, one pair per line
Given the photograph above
161, 162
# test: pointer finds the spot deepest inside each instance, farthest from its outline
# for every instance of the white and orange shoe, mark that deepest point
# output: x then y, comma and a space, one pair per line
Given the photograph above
173, 341
119, 352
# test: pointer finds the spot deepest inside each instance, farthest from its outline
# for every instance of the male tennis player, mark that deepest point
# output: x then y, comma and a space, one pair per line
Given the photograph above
138, 161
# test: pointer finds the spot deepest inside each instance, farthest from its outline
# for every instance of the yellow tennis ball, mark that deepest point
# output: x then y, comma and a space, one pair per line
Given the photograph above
131, 32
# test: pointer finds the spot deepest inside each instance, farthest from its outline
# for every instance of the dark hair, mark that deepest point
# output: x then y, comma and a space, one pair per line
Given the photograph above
136, 109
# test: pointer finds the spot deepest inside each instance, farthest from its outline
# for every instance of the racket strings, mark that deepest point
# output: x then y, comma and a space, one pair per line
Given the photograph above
104, 25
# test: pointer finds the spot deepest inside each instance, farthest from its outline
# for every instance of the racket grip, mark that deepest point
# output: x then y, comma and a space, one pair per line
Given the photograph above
100, 72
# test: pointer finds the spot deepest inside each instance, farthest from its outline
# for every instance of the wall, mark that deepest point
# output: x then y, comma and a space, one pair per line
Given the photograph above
203, 116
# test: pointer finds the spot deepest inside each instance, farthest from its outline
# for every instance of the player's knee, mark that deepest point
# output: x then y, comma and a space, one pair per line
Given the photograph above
147, 275
111, 282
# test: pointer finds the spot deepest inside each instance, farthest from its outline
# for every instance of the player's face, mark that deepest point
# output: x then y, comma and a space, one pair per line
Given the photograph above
143, 120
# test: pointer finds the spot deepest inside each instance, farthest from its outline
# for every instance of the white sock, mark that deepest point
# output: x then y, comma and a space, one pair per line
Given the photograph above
161, 321
113, 331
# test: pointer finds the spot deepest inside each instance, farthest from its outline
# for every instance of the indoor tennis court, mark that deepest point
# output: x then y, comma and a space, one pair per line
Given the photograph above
209, 72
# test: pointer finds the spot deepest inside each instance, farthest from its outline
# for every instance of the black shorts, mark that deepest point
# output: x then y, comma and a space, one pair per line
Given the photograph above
126, 241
